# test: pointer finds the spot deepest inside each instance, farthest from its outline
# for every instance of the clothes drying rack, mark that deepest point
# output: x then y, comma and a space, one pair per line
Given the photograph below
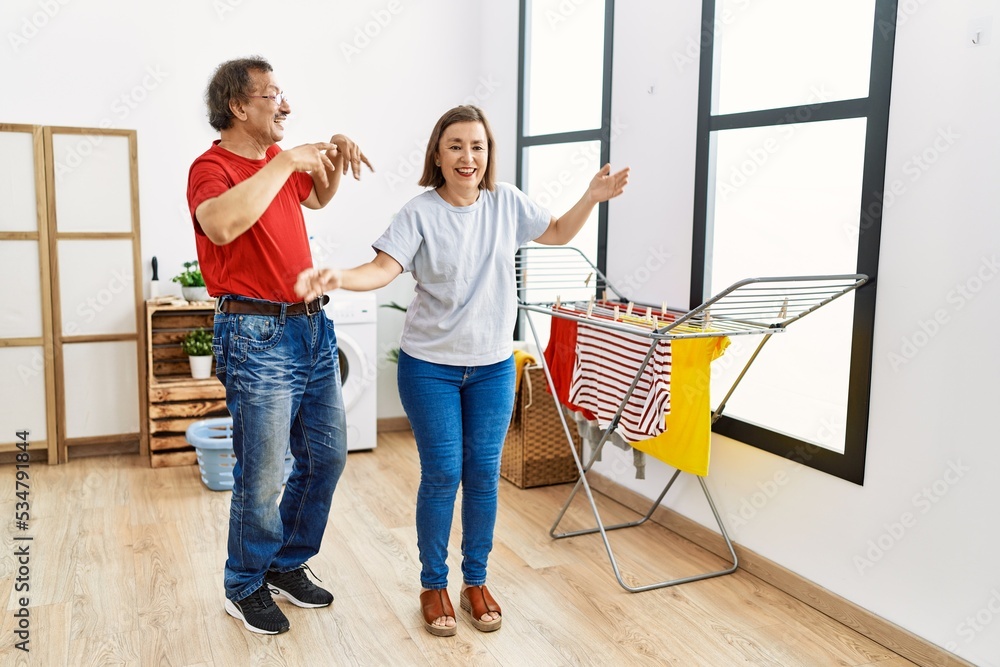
562, 282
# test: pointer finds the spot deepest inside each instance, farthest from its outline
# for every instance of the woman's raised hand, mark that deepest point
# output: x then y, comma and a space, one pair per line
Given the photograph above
605, 185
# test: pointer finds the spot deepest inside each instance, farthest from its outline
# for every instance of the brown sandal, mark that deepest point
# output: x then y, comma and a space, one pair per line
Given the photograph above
478, 602
433, 605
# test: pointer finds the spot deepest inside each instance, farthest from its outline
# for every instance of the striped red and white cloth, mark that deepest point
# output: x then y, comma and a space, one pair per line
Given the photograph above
606, 365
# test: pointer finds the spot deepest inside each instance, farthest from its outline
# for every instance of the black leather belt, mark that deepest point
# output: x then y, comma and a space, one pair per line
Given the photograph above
231, 306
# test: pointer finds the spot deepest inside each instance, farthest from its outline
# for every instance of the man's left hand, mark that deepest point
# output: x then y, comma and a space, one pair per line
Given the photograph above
352, 155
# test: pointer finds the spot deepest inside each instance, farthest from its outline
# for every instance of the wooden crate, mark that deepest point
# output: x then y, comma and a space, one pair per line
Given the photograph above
175, 400
536, 452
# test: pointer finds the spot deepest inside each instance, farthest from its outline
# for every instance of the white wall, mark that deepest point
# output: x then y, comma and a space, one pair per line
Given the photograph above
916, 543
380, 71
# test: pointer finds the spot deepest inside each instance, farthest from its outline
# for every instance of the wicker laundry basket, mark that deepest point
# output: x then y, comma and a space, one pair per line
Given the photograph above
536, 452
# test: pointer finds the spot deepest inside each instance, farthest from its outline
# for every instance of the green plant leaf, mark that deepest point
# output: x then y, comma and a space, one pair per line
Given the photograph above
394, 306
197, 343
190, 276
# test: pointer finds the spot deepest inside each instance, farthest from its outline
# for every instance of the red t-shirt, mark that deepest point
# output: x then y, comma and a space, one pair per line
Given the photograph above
265, 260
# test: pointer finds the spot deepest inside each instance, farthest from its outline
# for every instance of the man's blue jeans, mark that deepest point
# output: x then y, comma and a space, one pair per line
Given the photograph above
459, 416
282, 379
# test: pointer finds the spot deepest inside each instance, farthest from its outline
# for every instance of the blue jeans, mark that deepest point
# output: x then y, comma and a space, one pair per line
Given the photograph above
282, 379
460, 416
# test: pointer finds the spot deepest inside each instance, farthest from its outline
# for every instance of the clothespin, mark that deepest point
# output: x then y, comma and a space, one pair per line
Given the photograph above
604, 295
628, 309
558, 302
649, 313
707, 320
590, 307
617, 313
784, 309
586, 282
656, 322
663, 309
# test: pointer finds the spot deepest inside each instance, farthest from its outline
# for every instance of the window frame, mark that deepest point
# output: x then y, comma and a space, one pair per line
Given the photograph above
850, 465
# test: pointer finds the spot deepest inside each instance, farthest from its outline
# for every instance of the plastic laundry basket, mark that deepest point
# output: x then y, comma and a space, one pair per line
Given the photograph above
213, 442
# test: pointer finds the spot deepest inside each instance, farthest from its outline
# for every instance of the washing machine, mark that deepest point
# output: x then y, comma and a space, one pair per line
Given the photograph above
354, 316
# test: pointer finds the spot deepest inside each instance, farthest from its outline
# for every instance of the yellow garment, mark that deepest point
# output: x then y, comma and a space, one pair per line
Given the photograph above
687, 443
521, 359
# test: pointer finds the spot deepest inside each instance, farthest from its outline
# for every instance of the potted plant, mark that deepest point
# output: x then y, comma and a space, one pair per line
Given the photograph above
192, 283
197, 344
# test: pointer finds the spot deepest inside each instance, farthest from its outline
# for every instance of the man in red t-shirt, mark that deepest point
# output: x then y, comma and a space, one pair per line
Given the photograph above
277, 357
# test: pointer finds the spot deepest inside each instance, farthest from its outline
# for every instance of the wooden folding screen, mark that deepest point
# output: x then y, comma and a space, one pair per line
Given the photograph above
27, 392
93, 223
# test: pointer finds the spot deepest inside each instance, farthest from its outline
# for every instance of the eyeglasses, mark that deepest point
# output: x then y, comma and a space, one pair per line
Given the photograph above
278, 98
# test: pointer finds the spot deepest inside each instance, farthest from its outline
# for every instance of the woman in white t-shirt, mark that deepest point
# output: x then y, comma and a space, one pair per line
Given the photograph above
456, 368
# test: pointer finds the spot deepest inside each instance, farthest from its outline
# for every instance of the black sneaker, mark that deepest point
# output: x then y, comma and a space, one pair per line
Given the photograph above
296, 587
259, 613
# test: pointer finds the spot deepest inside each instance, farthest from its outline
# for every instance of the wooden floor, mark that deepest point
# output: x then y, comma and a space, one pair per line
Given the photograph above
126, 565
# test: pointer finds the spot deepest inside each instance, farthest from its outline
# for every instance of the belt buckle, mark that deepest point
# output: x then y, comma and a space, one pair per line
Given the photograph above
315, 303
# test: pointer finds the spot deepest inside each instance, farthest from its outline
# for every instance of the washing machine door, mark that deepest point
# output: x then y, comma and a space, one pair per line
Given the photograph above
354, 369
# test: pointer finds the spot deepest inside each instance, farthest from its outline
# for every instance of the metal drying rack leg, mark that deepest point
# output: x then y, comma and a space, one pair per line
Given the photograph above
582, 482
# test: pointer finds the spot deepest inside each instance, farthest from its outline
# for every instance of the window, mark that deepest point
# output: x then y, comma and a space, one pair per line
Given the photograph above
790, 172
564, 107
563, 73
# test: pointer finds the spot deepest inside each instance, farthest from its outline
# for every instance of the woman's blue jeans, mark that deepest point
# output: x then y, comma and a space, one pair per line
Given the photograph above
459, 416
282, 379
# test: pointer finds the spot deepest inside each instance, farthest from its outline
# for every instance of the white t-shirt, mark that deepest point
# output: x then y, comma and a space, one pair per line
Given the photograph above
462, 258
